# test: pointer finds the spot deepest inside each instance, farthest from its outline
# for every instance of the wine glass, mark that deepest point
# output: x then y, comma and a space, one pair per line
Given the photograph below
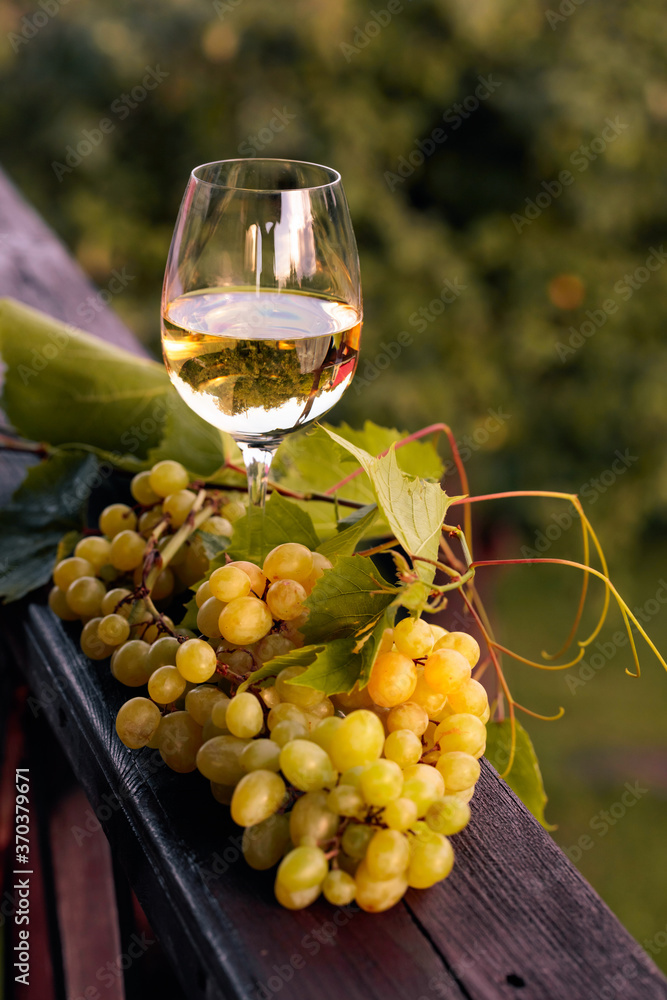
261, 305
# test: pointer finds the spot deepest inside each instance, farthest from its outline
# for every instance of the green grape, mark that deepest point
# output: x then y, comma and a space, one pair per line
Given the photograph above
289, 561
203, 593
142, 491
129, 664
352, 776
347, 864
111, 602
196, 660
137, 722
163, 652
403, 747
423, 784
113, 629
208, 617
261, 755
311, 820
445, 670
115, 518
245, 717
323, 710
306, 765
381, 781
94, 550
339, 888
282, 712
257, 579
359, 740
127, 550
177, 506
303, 868
201, 700
59, 606
165, 685
413, 637
209, 730
219, 526
264, 844
239, 660
393, 679
355, 840
222, 793
285, 599
164, 584
323, 732
149, 520
180, 739
272, 645
375, 896
84, 596
448, 815
431, 861
431, 701
229, 582
257, 796
471, 698
410, 716
167, 477
287, 730
219, 712
400, 814
91, 644
459, 770
345, 800
296, 694
295, 900
462, 732
387, 855
219, 759
462, 643
245, 620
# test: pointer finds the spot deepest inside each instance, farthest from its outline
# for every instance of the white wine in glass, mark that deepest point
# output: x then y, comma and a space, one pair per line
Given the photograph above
261, 310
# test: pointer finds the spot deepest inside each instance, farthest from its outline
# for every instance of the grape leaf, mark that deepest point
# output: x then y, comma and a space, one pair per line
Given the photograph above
259, 531
525, 777
371, 647
189, 619
295, 658
335, 668
46, 506
347, 600
213, 544
351, 532
414, 508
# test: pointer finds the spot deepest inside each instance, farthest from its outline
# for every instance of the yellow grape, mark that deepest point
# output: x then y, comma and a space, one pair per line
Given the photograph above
311, 820
69, 570
167, 477
437, 631
257, 796
424, 785
282, 712
289, 561
356, 698
296, 694
149, 520
261, 754
84, 596
404, 747
345, 800
245, 717
219, 526
115, 518
142, 491
59, 606
448, 815
264, 844
303, 868
400, 814
257, 579
229, 582
165, 685
203, 593
393, 679
323, 732
339, 888
320, 565
380, 782
462, 732
201, 700
137, 722
95, 550
179, 740
423, 695
91, 644
177, 506
130, 665
219, 712
413, 637
470, 698
306, 765
288, 730
375, 896
432, 860
388, 854
245, 620
410, 716
359, 740
127, 550
285, 599
208, 617
163, 652
445, 670
219, 759
462, 643
356, 838
295, 900
458, 769
113, 629
196, 660
111, 602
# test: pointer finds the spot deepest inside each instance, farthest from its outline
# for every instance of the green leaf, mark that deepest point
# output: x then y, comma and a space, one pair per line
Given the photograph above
259, 530
189, 619
353, 530
45, 507
525, 777
213, 544
335, 668
347, 600
414, 508
371, 647
295, 658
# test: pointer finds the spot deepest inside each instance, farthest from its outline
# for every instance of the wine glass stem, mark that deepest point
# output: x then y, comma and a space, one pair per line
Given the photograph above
257, 463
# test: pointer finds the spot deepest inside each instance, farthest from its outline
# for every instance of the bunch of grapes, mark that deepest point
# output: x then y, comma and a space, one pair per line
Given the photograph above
353, 796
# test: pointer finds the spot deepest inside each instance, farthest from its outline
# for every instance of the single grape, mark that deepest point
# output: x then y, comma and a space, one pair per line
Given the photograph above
285, 599
245, 620
142, 491
208, 617
404, 747
164, 584
471, 698
359, 740
84, 596
196, 660
413, 637
375, 896
149, 520
203, 593
320, 565
264, 844
431, 861
257, 796
165, 685
387, 855
445, 670
345, 800
127, 550
400, 814
282, 712
129, 663
222, 793
91, 644
111, 602
448, 815
306, 765
465, 794
257, 579
311, 820
339, 888
289, 561
356, 838
462, 732
94, 550
463, 643
167, 477
113, 629
59, 606
270, 697
219, 712
261, 754
177, 506
323, 710
245, 717
115, 518
234, 511
423, 784
272, 645
296, 694
354, 699
289, 729
219, 759
459, 770
352, 776
229, 582
163, 652
323, 732
137, 721
295, 900
410, 716
303, 868
381, 782
437, 631
393, 679
219, 526
431, 701
180, 739
201, 700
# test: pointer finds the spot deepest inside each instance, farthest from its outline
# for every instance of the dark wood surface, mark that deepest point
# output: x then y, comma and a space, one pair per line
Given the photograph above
515, 918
